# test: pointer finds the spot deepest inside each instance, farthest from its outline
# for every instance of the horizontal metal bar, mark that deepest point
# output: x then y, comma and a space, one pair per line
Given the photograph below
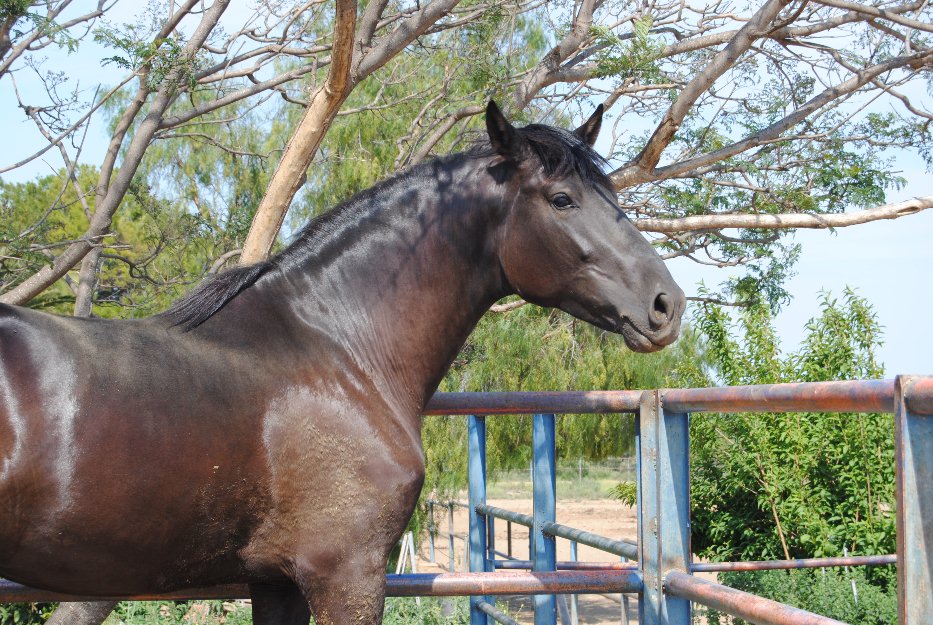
410, 585
11, 592
495, 614
807, 563
741, 604
842, 396
623, 548
715, 567
529, 402
846, 396
506, 515
568, 565
513, 583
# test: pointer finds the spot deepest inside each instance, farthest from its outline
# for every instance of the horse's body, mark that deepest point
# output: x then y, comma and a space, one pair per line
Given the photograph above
267, 429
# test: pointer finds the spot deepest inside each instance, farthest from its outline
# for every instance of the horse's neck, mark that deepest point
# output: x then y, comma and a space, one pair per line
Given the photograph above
412, 279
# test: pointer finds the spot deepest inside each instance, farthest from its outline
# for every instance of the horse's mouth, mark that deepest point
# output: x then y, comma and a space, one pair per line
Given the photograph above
611, 321
635, 339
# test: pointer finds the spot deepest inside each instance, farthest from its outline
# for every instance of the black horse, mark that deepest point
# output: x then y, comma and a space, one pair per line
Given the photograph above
267, 429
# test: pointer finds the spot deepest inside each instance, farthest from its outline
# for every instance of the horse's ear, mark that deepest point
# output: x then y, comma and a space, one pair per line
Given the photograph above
503, 136
590, 128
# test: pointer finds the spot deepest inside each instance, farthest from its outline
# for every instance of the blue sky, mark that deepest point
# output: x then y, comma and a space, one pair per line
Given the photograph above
888, 262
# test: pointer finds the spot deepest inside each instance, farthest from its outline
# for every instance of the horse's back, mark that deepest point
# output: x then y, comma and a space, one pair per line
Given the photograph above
114, 433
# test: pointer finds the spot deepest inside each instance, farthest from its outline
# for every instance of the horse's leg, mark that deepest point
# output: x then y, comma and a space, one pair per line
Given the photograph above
279, 604
351, 592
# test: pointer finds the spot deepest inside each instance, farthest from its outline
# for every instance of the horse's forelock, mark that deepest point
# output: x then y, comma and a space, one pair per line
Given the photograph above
563, 153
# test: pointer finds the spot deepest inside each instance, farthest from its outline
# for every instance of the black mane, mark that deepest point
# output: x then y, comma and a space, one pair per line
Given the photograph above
560, 152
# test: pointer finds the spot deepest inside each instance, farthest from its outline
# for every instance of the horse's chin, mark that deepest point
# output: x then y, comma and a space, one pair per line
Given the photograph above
611, 322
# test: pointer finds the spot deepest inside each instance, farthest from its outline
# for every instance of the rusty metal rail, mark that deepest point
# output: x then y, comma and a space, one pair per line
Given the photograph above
802, 563
718, 567
750, 607
409, 585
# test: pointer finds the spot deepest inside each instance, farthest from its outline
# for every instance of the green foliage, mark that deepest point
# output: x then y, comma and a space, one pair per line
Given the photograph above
626, 492
634, 58
532, 349
398, 611
824, 591
154, 251
17, 11
774, 486
431, 611
159, 58
25, 613
14, 9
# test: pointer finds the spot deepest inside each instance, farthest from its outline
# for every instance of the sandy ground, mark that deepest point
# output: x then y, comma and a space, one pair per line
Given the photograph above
604, 517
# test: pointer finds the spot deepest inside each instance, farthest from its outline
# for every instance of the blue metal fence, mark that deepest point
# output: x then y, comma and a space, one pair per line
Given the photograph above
663, 550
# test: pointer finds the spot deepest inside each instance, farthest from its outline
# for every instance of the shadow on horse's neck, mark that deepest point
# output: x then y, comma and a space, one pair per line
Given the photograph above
402, 273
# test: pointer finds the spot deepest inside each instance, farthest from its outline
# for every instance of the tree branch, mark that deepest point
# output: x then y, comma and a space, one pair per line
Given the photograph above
104, 211
639, 168
786, 220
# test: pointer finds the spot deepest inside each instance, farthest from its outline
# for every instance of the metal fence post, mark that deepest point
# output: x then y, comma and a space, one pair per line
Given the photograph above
476, 470
662, 442
545, 487
450, 536
913, 454
432, 530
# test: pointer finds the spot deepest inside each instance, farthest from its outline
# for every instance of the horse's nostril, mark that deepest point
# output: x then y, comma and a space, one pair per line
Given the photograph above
663, 310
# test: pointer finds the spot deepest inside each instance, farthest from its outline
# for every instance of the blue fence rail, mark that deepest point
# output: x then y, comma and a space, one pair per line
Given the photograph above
663, 551
662, 576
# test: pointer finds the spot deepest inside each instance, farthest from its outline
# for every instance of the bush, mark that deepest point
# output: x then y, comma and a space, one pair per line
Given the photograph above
823, 591
25, 613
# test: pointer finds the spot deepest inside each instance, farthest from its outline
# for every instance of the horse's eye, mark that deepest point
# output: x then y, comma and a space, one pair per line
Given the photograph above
562, 201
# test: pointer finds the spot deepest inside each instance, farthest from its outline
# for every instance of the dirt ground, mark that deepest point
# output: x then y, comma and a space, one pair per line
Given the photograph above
608, 518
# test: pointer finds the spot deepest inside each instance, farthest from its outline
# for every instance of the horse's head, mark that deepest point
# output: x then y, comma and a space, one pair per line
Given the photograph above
566, 243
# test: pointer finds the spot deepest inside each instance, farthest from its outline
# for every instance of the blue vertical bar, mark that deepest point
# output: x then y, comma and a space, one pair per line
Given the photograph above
545, 496
913, 453
663, 508
476, 472
573, 598
432, 530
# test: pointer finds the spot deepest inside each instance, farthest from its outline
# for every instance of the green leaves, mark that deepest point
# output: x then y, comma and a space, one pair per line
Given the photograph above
159, 58
632, 56
794, 485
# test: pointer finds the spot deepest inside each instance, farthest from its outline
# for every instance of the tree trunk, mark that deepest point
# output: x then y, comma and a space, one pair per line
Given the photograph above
85, 613
291, 173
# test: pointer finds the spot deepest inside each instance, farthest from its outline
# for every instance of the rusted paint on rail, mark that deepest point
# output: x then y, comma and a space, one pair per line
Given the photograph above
842, 396
918, 394
513, 583
803, 563
716, 567
845, 396
569, 565
742, 604
11, 592
411, 585
533, 402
